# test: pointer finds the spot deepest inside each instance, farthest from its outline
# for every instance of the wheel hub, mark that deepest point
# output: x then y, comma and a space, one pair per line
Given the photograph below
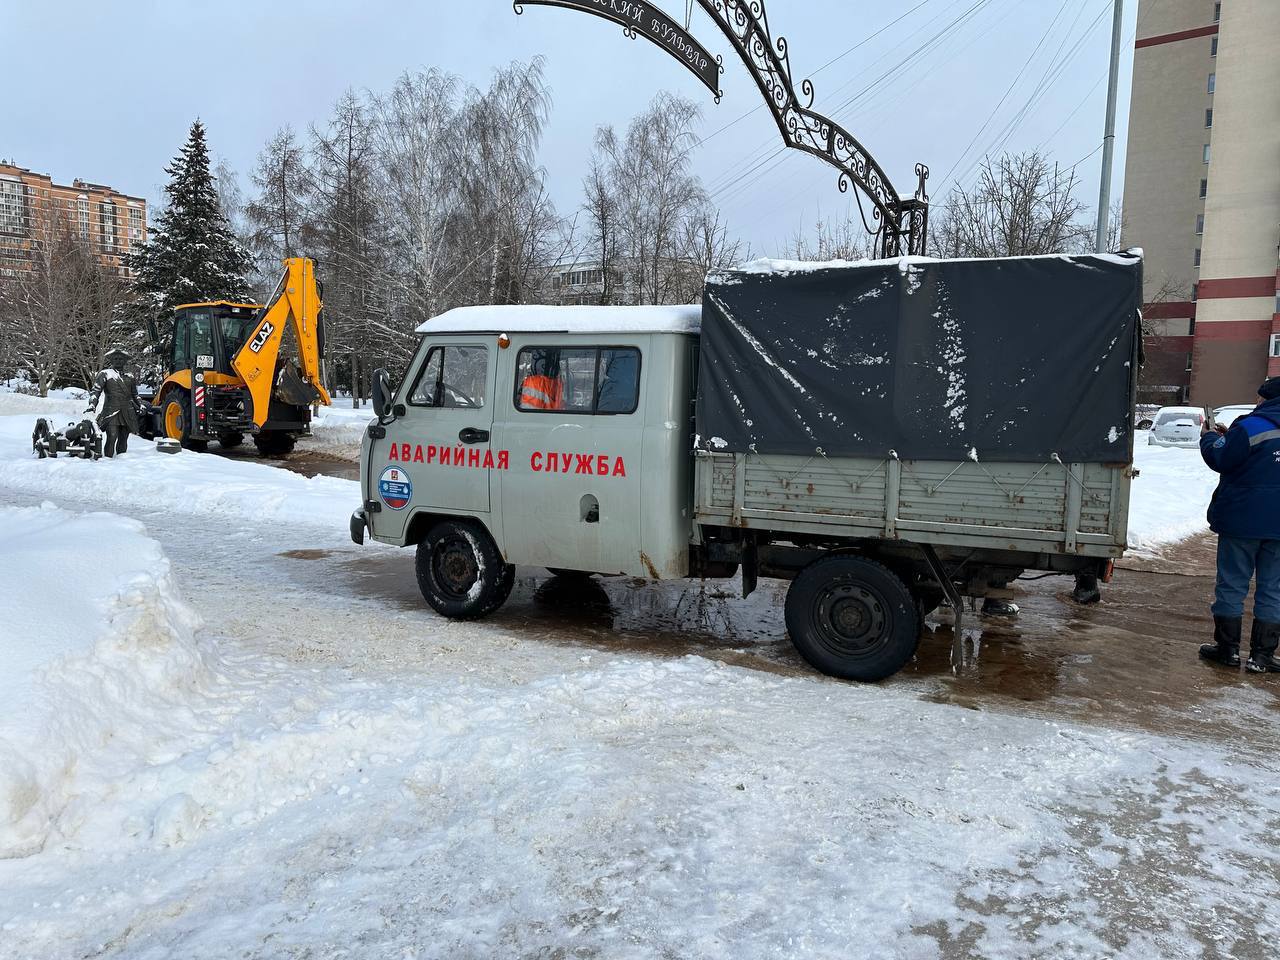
852, 616
455, 567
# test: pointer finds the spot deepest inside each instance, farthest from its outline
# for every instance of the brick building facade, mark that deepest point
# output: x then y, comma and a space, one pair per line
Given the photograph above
1202, 195
33, 208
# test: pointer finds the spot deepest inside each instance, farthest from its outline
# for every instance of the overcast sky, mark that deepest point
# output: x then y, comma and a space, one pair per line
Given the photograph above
108, 90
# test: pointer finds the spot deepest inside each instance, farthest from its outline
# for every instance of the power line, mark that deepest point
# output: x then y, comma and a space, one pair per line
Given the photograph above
737, 181
1057, 66
1027, 63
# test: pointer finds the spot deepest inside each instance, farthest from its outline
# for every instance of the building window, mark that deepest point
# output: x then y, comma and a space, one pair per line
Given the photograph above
1206, 153
1199, 224
82, 217
1204, 189
12, 207
1188, 362
1275, 345
1213, 81
135, 227
1217, 12
1208, 117
107, 224
1195, 292
1197, 256
1213, 47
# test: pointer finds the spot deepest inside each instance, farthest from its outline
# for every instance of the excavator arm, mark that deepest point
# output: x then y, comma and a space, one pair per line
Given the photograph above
296, 301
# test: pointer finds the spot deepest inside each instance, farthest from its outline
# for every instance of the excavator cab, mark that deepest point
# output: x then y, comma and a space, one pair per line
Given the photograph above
229, 376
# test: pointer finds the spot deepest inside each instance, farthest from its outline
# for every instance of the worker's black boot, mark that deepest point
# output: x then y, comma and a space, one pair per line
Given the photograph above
1225, 648
1262, 648
1086, 590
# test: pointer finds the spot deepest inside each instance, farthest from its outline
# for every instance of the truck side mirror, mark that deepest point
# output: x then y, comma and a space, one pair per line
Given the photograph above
382, 392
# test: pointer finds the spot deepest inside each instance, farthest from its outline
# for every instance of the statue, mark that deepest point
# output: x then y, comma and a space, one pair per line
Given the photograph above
119, 416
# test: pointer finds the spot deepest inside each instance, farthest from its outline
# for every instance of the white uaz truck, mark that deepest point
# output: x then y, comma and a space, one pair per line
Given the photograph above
888, 436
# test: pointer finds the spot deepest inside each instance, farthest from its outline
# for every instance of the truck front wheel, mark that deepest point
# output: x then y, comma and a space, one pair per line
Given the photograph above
852, 618
460, 571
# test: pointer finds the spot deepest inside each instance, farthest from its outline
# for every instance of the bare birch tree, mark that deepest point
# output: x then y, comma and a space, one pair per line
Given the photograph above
1021, 205
48, 305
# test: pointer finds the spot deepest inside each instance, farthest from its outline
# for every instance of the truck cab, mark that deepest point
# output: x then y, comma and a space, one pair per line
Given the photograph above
559, 435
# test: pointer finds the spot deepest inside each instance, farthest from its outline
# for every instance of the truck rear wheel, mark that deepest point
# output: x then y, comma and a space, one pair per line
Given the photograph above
230, 439
852, 618
460, 572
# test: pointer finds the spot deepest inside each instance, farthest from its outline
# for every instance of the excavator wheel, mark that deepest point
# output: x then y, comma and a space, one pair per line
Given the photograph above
176, 422
229, 440
275, 443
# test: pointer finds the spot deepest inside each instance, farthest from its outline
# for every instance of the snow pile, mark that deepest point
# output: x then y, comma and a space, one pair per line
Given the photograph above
338, 430
1170, 495
189, 483
97, 664
60, 407
23, 384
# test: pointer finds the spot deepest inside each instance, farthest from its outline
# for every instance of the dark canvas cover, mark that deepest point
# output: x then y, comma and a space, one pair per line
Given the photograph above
1002, 360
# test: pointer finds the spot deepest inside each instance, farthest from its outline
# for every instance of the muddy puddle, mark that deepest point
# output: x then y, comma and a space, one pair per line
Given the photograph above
309, 463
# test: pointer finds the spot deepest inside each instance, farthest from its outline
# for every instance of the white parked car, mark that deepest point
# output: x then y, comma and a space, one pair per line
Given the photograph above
1229, 414
1177, 427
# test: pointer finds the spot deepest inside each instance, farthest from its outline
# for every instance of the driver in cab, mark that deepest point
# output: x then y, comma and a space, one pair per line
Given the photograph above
542, 389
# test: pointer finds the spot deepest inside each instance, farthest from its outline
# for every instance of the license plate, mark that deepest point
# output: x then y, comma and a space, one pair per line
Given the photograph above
204, 360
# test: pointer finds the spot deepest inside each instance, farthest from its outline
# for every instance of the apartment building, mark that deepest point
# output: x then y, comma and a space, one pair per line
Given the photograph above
1202, 195
33, 208
579, 281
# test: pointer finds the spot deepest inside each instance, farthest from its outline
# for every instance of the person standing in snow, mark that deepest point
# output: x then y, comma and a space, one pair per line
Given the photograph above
119, 416
1245, 514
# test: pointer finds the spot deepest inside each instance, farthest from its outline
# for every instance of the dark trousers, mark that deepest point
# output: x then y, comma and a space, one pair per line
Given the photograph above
1239, 560
116, 440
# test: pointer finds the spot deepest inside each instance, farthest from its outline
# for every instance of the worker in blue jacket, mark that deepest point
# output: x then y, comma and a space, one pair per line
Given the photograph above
1245, 514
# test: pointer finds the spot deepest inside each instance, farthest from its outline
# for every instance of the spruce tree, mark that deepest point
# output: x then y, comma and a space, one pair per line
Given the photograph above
191, 253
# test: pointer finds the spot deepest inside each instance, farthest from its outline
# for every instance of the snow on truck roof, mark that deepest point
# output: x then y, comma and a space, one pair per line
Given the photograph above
783, 267
546, 319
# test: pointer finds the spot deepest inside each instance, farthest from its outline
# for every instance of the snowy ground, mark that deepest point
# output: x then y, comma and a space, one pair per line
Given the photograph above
320, 770
1169, 497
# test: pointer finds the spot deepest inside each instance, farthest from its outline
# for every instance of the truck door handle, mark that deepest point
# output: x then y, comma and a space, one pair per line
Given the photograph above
472, 435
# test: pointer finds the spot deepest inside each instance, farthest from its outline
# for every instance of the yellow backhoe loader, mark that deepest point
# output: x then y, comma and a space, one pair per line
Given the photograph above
228, 378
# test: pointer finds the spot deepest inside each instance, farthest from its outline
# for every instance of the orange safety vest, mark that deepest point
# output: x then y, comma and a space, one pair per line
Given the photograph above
541, 393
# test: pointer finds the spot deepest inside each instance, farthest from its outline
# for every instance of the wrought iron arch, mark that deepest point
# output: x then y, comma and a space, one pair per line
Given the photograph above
900, 224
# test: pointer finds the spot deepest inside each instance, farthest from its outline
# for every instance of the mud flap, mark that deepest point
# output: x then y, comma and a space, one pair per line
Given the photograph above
954, 601
750, 567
